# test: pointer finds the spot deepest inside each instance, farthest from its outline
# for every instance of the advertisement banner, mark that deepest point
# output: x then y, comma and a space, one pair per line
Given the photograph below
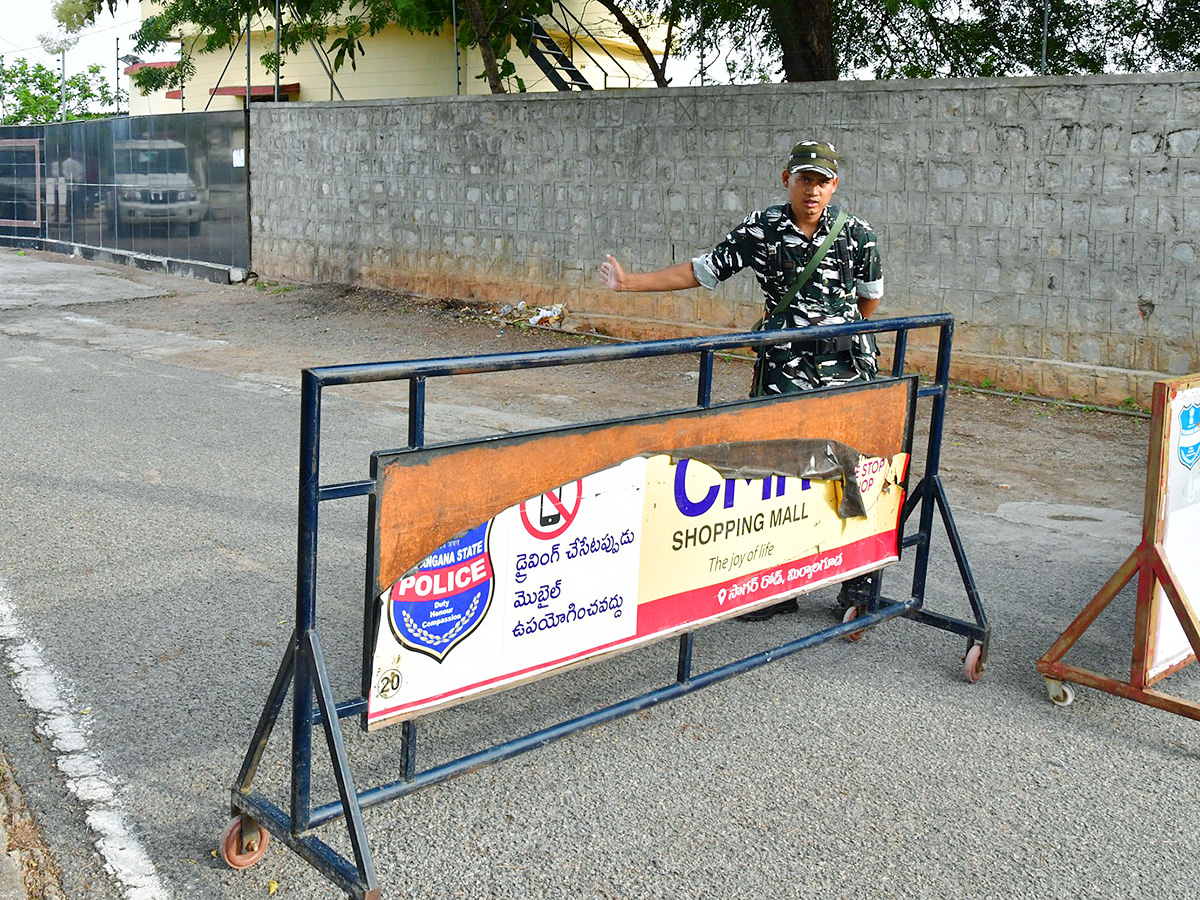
1181, 529
636, 552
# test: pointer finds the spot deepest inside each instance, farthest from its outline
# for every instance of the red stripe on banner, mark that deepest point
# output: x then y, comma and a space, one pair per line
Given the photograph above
774, 581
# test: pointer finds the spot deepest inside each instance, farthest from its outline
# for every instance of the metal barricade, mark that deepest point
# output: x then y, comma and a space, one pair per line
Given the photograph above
303, 669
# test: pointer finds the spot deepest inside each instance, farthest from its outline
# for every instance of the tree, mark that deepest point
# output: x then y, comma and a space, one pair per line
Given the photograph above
804, 29
32, 93
804, 40
627, 19
217, 25
741, 40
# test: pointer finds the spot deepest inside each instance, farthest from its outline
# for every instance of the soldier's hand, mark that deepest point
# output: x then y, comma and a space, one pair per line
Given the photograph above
612, 274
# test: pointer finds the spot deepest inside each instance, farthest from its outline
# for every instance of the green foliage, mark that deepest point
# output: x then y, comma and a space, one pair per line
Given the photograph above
210, 26
33, 94
986, 38
273, 287
941, 38
741, 40
74, 15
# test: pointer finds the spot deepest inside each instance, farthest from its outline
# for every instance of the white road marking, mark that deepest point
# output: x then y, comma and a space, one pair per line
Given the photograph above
42, 689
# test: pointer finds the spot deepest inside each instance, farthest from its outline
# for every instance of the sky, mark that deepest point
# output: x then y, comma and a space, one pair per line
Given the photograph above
24, 20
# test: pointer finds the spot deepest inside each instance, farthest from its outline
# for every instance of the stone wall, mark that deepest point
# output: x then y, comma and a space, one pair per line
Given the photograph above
1056, 218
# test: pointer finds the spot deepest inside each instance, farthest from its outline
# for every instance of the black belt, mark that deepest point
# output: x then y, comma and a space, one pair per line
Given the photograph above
824, 347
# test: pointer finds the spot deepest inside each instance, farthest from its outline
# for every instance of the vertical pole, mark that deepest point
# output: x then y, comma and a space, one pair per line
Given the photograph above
247, 60
931, 477
249, 195
117, 76
457, 65
62, 106
1153, 510
181, 91
898, 353
306, 596
1045, 31
409, 768
704, 390
683, 671
1145, 617
278, 61
416, 412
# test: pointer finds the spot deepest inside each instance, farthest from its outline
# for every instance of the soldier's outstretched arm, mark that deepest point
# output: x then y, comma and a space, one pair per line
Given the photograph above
673, 278
868, 307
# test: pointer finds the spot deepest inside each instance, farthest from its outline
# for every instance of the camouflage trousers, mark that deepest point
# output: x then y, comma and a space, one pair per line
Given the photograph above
808, 365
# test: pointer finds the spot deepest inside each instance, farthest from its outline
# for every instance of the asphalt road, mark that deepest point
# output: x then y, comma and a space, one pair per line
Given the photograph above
146, 595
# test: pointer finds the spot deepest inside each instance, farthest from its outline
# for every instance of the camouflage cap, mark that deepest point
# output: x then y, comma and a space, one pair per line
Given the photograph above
814, 156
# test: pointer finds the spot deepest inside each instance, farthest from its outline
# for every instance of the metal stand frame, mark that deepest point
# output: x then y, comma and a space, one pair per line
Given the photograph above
303, 668
1149, 564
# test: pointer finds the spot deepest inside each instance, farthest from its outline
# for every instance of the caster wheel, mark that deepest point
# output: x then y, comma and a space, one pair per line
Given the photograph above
232, 850
972, 665
850, 615
1061, 693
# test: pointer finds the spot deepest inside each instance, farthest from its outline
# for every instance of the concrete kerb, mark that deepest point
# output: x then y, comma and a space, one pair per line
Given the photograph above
27, 871
12, 887
191, 268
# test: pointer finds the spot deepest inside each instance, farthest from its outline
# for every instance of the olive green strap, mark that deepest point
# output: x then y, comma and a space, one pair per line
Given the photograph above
806, 272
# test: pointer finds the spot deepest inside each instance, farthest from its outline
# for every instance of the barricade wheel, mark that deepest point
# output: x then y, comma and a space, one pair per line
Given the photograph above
850, 615
1061, 693
972, 663
232, 851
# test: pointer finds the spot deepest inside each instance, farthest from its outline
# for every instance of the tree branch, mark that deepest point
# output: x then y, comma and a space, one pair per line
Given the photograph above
635, 35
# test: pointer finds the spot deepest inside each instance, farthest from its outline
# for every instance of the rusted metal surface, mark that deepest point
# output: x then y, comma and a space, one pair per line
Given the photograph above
1159, 700
416, 514
1150, 565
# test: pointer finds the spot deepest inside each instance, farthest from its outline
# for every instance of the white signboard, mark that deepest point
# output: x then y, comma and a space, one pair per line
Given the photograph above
1181, 529
618, 558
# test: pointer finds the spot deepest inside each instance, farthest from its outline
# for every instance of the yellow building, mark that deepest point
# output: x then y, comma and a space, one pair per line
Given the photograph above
397, 63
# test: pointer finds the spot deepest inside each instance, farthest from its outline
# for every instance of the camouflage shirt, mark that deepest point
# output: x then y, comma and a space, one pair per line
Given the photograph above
776, 249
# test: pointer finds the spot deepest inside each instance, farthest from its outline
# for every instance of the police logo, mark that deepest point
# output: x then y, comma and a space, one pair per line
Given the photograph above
437, 605
1189, 435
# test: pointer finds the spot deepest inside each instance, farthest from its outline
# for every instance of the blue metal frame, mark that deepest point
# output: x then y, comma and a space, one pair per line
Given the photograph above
303, 667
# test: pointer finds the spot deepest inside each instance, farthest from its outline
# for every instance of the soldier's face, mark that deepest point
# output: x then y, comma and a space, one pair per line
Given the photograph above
809, 194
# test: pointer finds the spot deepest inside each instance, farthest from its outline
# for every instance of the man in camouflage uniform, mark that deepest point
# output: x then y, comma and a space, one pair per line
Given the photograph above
777, 244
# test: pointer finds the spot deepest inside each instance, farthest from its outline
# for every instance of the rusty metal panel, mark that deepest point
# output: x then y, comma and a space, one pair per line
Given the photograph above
425, 497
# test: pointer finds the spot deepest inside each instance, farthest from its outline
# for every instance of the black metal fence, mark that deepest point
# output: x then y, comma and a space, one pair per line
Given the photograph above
171, 187
21, 177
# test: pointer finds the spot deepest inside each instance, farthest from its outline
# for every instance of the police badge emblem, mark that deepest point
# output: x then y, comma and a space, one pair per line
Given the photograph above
1189, 435
437, 605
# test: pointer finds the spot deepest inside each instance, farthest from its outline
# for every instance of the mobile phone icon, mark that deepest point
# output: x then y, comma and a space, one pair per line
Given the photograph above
551, 516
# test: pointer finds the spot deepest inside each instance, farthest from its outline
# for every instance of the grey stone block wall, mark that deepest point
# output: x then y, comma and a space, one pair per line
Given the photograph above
1056, 218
